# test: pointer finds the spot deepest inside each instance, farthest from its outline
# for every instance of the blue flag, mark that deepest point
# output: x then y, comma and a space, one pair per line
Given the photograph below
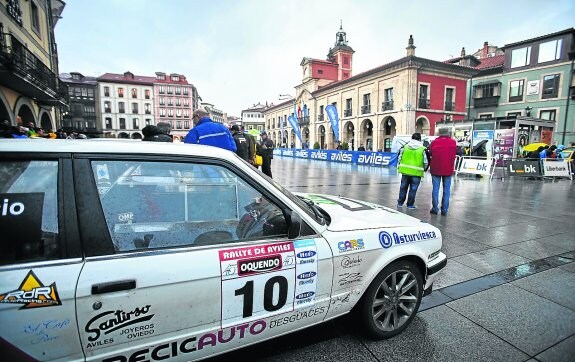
295, 126
333, 119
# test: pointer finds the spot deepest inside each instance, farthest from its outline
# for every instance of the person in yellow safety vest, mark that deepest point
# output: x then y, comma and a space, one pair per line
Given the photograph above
412, 162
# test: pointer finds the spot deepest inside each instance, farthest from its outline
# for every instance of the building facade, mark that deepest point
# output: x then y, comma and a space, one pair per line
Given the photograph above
405, 96
81, 114
174, 102
214, 113
254, 117
125, 104
30, 90
534, 79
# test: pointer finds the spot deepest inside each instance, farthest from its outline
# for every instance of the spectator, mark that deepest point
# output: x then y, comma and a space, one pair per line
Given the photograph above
208, 132
536, 153
242, 145
543, 154
267, 153
442, 151
157, 133
339, 146
412, 163
361, 148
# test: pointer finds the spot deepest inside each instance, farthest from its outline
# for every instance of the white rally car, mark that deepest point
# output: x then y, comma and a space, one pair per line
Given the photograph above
126, 251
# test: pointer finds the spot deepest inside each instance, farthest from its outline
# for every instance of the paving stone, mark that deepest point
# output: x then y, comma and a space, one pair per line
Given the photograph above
564, 351
490, 260
556, 284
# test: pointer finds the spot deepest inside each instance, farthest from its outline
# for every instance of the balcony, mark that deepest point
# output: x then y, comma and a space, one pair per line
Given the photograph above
320, 117
347, 112
303, 121
423, 103
365, 109
449, 106
121, 110
486, 102
107, 110
24, 73
387, 106
148, 112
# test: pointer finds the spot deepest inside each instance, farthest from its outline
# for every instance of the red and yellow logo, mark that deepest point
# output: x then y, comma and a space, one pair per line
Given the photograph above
33, 293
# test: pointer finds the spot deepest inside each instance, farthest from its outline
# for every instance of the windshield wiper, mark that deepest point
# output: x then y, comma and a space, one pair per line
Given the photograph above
317, 213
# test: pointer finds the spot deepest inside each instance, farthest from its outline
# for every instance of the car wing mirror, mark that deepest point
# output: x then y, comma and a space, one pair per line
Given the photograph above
294, 224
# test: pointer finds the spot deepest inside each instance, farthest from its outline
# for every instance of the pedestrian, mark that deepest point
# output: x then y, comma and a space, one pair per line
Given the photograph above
558, 151
339, 146
157, 133
535, 154
361, 148
442, 152
267, 153
412, 163
210, 133
242, 145
543, 154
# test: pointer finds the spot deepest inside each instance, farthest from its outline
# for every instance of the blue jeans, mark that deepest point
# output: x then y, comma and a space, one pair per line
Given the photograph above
411, 182
435, 193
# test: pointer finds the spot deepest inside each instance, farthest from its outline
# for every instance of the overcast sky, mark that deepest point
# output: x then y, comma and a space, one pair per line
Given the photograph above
239, 52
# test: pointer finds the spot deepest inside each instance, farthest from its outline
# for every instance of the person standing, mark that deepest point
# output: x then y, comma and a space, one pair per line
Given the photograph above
361, 148
210, 133
412, 163
442, 165
242, 145
157, 133
267, 153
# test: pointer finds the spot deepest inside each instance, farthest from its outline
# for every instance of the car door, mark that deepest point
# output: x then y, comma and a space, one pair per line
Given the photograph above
40, 259
187, 258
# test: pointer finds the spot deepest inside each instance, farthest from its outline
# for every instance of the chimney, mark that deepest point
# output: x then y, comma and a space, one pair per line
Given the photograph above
485, 50
410, 47
463, 51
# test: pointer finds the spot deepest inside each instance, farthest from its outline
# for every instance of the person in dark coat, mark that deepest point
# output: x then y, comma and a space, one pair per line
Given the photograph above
267, 151
156, 133
242, 145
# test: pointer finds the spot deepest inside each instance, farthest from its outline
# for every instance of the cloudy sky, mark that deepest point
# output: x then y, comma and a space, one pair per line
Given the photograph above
240, 52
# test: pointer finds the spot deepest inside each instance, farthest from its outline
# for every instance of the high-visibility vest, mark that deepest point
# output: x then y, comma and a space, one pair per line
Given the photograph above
411, 162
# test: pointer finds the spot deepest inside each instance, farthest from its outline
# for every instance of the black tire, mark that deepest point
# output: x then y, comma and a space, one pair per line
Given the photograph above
384, 312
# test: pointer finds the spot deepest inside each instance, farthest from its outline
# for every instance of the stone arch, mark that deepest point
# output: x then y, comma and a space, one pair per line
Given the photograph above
349, 134
305, 136
136, 136
123, 135
46, 121
387, 131
5, 112
422, 125
366, 134
321, 136
330, 139
24, 109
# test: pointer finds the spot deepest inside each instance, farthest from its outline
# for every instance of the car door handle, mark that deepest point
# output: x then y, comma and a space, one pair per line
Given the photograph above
109, 287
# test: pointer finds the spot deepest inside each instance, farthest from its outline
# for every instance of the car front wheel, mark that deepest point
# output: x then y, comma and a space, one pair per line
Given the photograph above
392, 300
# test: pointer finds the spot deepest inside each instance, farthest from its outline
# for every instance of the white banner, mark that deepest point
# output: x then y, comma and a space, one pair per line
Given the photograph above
557, 168
476, 166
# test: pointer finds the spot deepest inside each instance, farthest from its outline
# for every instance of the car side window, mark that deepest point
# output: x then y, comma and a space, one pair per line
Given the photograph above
150, 205
29, 212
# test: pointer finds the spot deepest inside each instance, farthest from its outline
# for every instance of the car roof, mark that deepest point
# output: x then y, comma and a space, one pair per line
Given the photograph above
115, 146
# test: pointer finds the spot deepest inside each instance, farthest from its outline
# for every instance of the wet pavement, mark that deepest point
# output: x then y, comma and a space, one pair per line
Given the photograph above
507, 293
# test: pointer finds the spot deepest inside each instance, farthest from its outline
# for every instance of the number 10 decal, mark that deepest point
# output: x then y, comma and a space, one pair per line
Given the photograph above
248, 293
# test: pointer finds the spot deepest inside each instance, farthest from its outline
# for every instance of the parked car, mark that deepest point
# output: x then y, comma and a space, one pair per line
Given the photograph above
154, 251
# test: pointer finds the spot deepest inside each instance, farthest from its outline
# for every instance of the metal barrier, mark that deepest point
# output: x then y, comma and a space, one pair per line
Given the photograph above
475, 166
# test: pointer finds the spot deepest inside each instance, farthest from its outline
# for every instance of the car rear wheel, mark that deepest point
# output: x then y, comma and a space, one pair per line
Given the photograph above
392, 300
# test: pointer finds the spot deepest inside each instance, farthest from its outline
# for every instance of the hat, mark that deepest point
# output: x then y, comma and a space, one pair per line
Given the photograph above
235, 127
263, 133
560, 147
443, 131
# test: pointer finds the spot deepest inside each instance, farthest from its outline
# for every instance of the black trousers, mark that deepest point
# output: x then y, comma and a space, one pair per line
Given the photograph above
267, 166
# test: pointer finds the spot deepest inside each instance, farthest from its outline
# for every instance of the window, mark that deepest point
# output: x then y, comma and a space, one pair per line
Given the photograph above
29, 233
186, 91
78, 92
148, 121
179, 113
551, 86
108, 123
89, 109
162, 101
179, 124
107, 107
423, 94
186, 102
148, 108
178, 102
122, 123
162, 112
170, 112
71, 91
186, 124
389, 94
346, 60
486, 116
348, 110
319, 71
170, 102
134, 108
161, 76
121, 108
175, 78
320, 109
170, 89
162, 89
121, 92
106, 91
548, 115
514, 114
134, 93
516, 90
487, 90
449, 95
35, 17
84, 92
186, 113
549, 51
520, 57
135, 123
174, 195
178, 90
147, 93
90, 93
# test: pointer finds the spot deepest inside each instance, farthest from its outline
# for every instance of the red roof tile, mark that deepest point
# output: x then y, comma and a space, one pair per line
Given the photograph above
492, 62
120, 78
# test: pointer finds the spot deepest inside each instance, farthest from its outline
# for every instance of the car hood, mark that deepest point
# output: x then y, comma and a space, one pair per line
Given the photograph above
349, 214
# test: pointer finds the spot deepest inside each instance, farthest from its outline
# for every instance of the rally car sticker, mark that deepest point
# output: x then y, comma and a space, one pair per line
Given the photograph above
266, 280
32, 293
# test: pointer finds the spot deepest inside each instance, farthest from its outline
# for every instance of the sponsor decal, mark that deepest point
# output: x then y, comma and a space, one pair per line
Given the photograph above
319, 155
33, 294
350, 245
301, 153
433, 255
320, 200
307, 275
475, 166
255, 251
306, 254
374, 159
287, 153
386, 239
126, 217
300, 315
342, 157
288, 260
250, 266
44, 331
350, 262
180, 348
110, 321
346, 279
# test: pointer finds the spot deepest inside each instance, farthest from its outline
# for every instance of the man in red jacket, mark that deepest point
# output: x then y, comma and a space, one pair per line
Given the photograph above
442, 165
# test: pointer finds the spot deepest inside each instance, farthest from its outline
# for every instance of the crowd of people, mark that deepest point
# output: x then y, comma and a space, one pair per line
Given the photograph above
31, 131
553, 151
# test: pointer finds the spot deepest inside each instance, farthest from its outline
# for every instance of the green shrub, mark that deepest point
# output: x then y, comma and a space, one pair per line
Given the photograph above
345, 146
316, 146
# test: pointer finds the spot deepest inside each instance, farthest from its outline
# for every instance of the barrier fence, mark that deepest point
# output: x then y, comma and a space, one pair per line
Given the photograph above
367, 158
546, 167
484, 166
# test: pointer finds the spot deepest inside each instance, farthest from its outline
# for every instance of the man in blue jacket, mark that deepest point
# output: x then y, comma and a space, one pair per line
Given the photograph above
208, 132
